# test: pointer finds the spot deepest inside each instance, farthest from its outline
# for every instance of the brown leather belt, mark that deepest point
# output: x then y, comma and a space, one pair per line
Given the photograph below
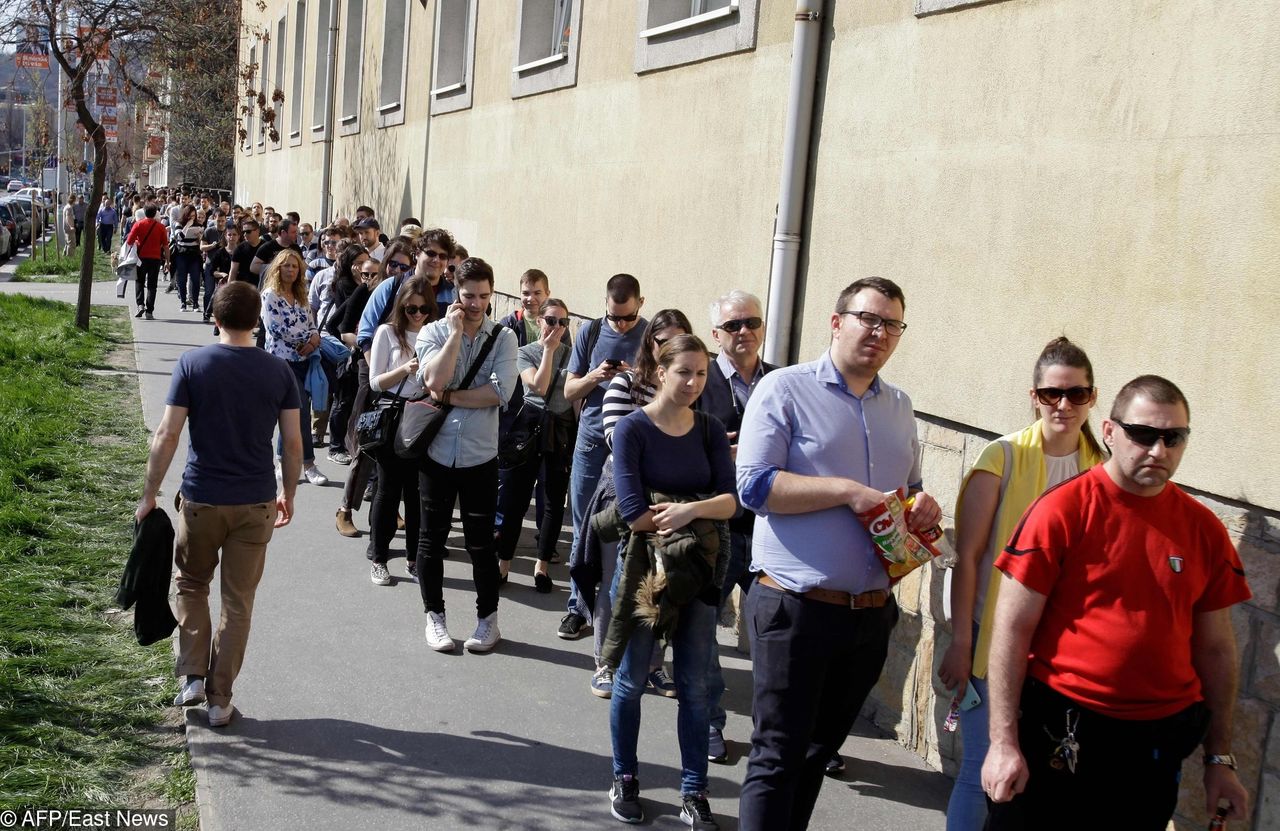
874, 599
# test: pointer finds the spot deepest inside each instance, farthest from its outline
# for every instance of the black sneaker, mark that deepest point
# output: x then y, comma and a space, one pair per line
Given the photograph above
696, 813
572, 626
140, 313
835, 765
624, 800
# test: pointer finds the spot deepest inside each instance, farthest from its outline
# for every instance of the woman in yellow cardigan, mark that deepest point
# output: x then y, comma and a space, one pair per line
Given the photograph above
1009, 475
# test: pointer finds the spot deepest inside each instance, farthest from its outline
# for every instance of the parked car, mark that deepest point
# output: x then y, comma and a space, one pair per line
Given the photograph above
7, 248
15, 185
42, 198
11, 211
36, 218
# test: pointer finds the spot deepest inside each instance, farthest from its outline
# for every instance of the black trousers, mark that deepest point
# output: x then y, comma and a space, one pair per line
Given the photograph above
397, 483
813, 665
551, 470
148, 274
476, 491
1126, 775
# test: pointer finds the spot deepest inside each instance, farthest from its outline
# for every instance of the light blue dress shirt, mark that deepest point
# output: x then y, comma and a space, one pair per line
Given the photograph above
803, 419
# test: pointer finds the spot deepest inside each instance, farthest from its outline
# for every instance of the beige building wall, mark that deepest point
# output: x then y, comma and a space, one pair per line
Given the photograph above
1023, 168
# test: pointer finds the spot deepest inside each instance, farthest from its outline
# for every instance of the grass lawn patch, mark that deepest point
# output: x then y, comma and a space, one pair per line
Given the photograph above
59, 269
84, 715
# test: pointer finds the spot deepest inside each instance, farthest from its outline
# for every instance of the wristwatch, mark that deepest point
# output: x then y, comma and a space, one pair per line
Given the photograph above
1227, 759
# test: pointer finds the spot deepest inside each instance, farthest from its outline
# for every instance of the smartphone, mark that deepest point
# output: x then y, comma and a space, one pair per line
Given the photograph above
613, 362
971, 698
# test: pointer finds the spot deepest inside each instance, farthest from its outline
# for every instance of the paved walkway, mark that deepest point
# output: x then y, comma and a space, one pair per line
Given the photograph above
347, 720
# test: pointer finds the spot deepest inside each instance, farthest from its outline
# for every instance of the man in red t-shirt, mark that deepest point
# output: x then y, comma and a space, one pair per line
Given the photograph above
152, 239
1113, 655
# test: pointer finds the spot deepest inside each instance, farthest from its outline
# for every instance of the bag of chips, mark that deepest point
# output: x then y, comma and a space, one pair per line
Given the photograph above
901, 550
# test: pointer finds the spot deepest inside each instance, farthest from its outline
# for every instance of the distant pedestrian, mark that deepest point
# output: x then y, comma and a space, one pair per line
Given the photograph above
236, 397
152, 239
79, 209
69, 226
106, 220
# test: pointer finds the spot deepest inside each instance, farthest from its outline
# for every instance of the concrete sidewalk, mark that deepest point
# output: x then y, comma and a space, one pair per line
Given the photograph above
347, 720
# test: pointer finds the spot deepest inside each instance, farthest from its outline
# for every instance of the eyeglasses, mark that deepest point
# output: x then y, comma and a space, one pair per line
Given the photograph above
368, 274
551, 320
875, 321
248, 230
631, 318
393, 265
731, 326
329, 242
1050, 396
1147, 436
417, 310
435, 255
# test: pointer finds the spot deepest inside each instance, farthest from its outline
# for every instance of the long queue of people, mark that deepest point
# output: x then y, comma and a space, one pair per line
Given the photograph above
686, 473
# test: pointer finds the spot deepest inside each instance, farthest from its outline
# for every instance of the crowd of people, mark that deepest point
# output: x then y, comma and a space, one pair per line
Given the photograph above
686, 473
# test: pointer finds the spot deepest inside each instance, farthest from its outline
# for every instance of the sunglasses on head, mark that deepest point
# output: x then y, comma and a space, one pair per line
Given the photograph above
392, 265
1050, 396
551, 320
731, 326
631, 318
417, 310
1147, 436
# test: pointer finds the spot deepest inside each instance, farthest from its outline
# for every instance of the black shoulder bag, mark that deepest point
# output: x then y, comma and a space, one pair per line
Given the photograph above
422, 419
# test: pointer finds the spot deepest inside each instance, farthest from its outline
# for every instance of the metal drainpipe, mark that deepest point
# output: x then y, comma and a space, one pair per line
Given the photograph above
787, 234
326, 172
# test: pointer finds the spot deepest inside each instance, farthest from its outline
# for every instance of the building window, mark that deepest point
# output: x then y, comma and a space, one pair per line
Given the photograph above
352, 66
251, 100
675, 32
279, 81
320, 95
263, 78
299, 52
395, 39
546, 46
454, 60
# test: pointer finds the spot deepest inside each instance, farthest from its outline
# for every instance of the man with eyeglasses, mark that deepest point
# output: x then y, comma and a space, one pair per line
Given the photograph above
819, 443
1114, 655
605, 347
737, 327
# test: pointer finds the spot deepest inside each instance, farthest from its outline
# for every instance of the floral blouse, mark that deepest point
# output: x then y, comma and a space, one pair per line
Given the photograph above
289, 326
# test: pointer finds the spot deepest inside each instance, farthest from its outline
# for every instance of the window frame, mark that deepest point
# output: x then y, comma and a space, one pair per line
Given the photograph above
713, 34
299, 70
252, 101
391, 114
349, 123
457, 96
320, 115
282, 28
558, 70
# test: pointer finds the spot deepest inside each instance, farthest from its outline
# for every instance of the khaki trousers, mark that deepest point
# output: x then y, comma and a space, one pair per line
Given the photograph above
241, 532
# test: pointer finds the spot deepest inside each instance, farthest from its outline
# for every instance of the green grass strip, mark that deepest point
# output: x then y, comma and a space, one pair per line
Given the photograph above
56, 268
81, 704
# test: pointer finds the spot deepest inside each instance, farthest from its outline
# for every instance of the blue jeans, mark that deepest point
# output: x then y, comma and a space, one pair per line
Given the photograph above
739, 560
589, 456
692, 643
187, 274
304, 399
967, 809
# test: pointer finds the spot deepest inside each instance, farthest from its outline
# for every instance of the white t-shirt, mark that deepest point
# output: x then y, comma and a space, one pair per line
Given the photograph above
386, 354
1061, 468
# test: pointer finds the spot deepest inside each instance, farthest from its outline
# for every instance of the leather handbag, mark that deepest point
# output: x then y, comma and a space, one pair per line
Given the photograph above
422, 419
377, 427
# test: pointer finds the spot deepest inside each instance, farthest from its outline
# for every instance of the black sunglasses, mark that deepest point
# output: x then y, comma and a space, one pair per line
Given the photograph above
631, 318
392, 265
731, 326
1050, 396
417, 310
551, 320
1147, 436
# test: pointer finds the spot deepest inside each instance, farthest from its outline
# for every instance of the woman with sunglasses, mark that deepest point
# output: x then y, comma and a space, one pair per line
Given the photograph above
1059, 445
393, 377
542, 367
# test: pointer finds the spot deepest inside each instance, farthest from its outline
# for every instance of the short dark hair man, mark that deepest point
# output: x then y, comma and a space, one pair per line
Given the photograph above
242, 258
152, 239
1113, 637
236, 396
286, 237
820, 442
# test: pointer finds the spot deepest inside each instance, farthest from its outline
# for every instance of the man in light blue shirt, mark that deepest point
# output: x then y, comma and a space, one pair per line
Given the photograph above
820, 442
461, 464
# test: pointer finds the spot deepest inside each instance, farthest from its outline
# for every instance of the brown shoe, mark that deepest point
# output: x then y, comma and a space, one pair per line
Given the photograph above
346, 527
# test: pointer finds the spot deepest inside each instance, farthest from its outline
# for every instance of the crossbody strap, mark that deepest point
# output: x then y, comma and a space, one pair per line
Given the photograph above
484, 353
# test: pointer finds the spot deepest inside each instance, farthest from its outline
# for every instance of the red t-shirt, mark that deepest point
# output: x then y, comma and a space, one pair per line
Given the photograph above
1125, 576
155, 234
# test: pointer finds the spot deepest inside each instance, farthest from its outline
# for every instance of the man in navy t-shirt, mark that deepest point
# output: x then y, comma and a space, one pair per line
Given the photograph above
235, 395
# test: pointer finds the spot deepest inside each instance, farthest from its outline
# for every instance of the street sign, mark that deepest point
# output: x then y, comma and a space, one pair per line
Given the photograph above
30, 61
106, 96
112, 136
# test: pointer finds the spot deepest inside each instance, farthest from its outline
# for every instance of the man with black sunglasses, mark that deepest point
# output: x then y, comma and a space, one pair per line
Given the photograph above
1114, 654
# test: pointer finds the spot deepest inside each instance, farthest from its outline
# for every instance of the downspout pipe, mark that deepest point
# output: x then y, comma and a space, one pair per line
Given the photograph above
788, 231
331, 68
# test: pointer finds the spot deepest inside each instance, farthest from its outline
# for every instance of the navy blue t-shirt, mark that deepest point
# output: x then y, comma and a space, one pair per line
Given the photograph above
233, 396
609, 344
645, 458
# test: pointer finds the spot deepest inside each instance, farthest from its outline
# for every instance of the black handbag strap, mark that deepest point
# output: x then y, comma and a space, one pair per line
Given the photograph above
484, 353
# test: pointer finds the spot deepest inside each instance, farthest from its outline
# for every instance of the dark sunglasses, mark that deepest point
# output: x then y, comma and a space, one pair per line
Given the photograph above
631, 318
1050, 396
435, 255
555, 321
392, 265
417, 310
731, 326
1147, 436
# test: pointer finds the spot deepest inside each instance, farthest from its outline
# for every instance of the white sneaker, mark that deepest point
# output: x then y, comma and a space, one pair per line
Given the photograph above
486, 636
220, 715
438, 633
379, 575
314, 476
192, 692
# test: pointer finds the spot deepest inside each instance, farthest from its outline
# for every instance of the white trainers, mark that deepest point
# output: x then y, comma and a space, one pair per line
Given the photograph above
379, 575
192, 692
220, 715
438, 633
486, 636
314, 476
